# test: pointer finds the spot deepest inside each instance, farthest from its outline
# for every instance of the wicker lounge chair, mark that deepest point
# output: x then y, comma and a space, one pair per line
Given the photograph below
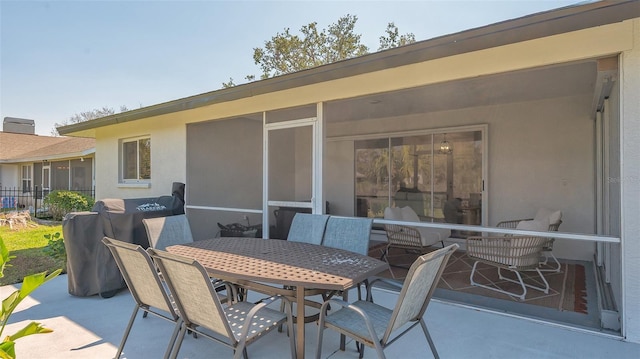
513, 253
410, 238
376, 326
555, 220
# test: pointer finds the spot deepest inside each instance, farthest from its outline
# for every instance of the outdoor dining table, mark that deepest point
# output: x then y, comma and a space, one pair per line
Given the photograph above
292, 269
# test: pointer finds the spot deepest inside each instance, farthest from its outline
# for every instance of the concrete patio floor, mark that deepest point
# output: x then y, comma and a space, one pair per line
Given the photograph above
92, 327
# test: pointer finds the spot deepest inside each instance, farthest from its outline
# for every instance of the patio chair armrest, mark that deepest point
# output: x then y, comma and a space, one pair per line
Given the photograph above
354, 308
268, 300
513, 223
343, 304
383, 280
260, 305
231, 288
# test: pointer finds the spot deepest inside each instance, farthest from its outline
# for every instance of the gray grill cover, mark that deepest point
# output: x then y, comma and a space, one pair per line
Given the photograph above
91, 268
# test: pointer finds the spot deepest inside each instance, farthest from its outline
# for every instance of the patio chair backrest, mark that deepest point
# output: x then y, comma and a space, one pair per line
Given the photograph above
192, 292
140, 274
348, 233
419, 285
308, 228
168, 231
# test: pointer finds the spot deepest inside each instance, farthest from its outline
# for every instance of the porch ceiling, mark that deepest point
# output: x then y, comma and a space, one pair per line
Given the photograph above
520, 86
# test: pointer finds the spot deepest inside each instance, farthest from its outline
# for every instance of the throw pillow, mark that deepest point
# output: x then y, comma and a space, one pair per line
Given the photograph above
549, 215
393, 213
409, 215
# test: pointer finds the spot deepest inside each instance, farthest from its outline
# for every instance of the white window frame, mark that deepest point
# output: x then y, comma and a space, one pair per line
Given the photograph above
28, 178
132, 181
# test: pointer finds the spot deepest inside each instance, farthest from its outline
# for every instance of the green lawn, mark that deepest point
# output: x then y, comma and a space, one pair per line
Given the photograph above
27, 246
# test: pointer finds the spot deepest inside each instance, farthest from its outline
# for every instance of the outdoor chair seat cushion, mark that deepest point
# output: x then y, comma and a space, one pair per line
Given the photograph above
541, 225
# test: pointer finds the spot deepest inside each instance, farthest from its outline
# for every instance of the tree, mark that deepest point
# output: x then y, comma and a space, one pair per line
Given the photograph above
286, 52
86, 116
394, 39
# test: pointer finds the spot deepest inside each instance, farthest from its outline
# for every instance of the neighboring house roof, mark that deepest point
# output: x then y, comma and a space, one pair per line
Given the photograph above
18, 147
549, 23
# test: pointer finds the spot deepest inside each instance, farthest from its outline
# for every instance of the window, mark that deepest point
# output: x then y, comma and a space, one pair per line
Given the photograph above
136, 159
26, 179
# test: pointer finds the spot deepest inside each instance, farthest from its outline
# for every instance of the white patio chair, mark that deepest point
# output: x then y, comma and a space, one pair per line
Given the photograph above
168, 231
554, 218
234, 326
417, 239
376, 326
145, 286
513, 253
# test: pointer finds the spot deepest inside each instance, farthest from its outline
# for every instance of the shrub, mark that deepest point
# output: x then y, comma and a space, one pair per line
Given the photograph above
62, 202
55, 248
9, 304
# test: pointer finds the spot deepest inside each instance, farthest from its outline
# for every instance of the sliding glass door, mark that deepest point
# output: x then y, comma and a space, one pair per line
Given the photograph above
438, 175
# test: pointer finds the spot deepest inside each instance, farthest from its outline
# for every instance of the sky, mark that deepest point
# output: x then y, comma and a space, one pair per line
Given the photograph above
60, 58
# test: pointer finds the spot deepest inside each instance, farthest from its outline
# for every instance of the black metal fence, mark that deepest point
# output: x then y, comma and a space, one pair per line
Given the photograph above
19, 199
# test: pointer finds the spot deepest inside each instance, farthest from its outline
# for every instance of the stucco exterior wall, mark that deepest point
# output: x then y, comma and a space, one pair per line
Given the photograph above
168, 154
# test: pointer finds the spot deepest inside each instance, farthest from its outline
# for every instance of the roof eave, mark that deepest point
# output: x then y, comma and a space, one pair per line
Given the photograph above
530, 27
50, 158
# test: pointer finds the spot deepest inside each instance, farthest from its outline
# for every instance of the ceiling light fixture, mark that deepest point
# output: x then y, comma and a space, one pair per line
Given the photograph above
445, 146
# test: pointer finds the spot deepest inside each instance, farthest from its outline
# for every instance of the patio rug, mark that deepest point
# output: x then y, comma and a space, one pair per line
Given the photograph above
567, 288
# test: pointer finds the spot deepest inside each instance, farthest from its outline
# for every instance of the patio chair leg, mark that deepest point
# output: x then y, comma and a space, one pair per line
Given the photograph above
172, 341
546, 284
557, 266
544, 289
426, 334
178, 343
524, 288
126, 332
320, 335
